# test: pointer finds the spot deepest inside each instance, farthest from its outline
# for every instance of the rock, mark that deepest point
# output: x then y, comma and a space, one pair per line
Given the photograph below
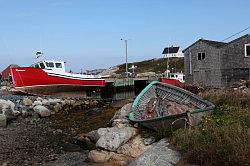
35, 116
54, 101
99, 156
86, 102
57, 107
115, 137
39, 99
85, 142
37, 102
42, 111
5, 88
119, 158
4, 105
63, 103
7, 108
27, 102
9, 114
95, 102
25, 113
123, 112
149, 141
94, 135
134, 148
3, 120
121, 123
45, 102
16, 113
159, 155
89, 144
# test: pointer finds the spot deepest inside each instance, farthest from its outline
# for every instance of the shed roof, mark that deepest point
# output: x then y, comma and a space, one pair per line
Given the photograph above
170, 50
216, 44
212, 43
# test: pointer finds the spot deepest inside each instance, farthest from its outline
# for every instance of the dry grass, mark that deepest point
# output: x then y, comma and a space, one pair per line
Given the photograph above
224, 137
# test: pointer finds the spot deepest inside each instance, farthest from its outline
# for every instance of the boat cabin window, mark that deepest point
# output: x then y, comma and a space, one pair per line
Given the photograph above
50, 64
37, 66
58, 65
42, 66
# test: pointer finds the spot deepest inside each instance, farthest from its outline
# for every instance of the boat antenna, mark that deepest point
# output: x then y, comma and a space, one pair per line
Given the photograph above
39, 54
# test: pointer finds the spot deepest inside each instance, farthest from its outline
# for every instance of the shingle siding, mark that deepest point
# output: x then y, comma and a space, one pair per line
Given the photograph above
204, 72
222, 66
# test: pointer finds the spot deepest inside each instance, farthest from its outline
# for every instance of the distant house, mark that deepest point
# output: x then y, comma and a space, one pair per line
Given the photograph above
217, 64
6, 75
170, 52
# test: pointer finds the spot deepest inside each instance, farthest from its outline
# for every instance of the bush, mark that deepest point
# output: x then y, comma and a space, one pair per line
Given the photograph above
221, 139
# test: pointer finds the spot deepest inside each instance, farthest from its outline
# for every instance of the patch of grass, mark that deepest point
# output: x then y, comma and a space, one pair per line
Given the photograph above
163, 132
155, 65
222, 138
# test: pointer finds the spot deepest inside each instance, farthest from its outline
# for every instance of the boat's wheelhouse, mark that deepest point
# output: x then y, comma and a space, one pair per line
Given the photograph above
57, 66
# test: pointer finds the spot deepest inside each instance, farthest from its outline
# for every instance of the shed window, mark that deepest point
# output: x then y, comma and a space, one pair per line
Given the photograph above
247, 50
201, 56
58, 65
49, 64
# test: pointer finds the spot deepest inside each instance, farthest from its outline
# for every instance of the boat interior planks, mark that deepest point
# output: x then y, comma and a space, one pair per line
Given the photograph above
161, 104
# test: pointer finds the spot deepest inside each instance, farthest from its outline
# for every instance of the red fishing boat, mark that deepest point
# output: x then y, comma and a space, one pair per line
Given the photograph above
176, 79
49, 77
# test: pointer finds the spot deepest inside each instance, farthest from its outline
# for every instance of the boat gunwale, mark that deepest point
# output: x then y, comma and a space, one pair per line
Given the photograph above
137, 99
131, 117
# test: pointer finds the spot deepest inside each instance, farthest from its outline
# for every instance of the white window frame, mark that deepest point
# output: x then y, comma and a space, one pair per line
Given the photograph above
246, 45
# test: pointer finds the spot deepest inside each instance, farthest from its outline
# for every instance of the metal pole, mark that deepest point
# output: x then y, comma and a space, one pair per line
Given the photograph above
126, 45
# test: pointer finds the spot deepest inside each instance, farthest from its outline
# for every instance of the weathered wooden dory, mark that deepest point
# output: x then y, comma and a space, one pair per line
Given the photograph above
160, 105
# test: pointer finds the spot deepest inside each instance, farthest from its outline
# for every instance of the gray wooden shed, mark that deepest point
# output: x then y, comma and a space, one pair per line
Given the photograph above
210, 63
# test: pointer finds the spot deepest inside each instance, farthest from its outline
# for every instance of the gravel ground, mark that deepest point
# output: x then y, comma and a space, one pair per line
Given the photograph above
25, 142
45, 141
32, 141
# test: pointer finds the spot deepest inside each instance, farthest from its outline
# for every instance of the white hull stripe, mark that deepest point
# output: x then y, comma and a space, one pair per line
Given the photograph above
71, 77
32, 86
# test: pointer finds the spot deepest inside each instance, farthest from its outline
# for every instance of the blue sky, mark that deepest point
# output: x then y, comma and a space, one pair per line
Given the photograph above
86, 33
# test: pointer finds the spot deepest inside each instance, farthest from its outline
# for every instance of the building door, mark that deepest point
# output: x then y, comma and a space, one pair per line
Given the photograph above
203, 77
200, 77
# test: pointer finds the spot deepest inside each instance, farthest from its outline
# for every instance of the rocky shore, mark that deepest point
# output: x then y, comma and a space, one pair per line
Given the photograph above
73, 131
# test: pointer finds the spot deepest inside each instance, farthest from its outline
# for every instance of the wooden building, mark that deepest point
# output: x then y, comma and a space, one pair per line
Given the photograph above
6, 75
217, 64
171, 52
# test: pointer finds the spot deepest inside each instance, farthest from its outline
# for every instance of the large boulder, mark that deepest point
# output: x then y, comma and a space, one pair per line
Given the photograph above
99, 156
102, 156
123, 112
133, 148
42, 111
115, 137
159, 155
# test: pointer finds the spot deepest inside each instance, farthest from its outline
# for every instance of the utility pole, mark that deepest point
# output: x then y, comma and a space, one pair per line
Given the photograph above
126, 51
